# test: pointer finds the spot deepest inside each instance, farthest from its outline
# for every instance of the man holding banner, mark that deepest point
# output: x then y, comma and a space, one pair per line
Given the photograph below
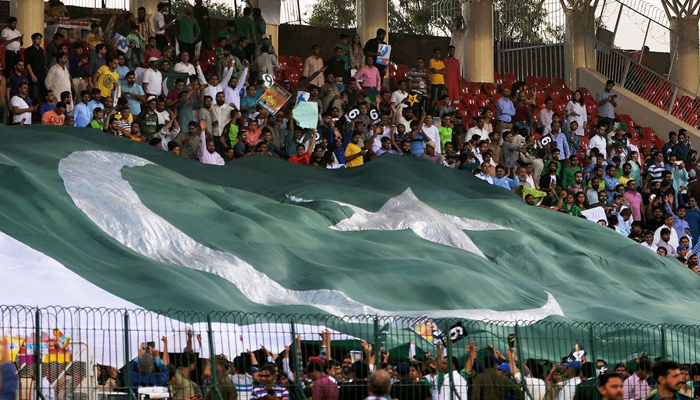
372, 49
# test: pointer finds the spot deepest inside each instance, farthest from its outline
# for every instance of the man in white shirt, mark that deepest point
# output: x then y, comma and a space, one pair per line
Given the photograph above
152, 78
58, 79
13, 41
546, 114
649, 241
398, 96
220, 115
599, 141
477, 130
22, 107
214, 86
159, 25
232, 93
432, 133
485, 174
184, 65
572, 371
266, 62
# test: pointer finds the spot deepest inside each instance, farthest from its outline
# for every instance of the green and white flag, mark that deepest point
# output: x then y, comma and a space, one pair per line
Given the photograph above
92, 220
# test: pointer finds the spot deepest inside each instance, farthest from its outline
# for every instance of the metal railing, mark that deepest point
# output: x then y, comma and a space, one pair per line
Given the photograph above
538, 61
96, 353
647, 84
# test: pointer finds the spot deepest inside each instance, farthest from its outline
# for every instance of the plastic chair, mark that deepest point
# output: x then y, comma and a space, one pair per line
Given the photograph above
558, 82
585, 93
509, 78
497, 78
490, 89
531, 80
474, 88
544, 81
566, 94
559, 105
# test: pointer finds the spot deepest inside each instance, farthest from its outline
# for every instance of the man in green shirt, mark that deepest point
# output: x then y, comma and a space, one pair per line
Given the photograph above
245, 26
260, 24
189, 31
228, 33
148, 120
669, 380
445, 131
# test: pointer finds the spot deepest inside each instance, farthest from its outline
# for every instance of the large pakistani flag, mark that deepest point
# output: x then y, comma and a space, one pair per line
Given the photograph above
87, 219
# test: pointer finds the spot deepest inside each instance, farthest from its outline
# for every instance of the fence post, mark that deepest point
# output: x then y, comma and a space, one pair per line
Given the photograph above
448, 346
663, 342
212, 359
591, 334
127, 357
377, 347
37, 354
518, 349
295, 361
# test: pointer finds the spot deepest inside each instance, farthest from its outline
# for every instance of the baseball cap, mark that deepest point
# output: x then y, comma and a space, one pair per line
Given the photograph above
153, 59
573, 364
681, 247
252, 370
150, 99
505, 367
265, 37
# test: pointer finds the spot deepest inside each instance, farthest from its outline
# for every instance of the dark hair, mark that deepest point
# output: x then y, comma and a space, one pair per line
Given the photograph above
11, 20
661, 367
609, 81
380, 31
588, 369
360, 370
99, 47
314, 366
37, 35
644, 364
604, 378
61, 104
57, 36
65, 94
172, 145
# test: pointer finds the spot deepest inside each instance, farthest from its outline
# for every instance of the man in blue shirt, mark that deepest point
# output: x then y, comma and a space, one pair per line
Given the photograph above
95, 102
134, 93
560, 140
81, 112
505, 110
503, 181
9, 374
611, 181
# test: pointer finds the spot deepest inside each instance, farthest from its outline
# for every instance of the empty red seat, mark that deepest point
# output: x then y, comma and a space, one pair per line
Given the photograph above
283, 61
554, 92
509, 78
490, 89
474, 88
566, 94
627, 120
531, 80
497, 78
544, 81
296, 62
558, 82
585, 92
559, 105
468, 99
538, 90
591, 106
482, 100
649, 134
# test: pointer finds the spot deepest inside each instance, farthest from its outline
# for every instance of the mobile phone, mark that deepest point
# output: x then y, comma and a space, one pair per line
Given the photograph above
151, 345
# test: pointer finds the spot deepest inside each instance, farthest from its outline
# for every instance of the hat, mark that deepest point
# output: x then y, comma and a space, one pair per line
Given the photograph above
265, 37
430, 143
622, 126
505, 367
153, 59
576, 365
252, 370
681, 247
150, 98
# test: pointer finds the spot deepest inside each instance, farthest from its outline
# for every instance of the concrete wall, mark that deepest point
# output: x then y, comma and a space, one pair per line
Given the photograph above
642, 112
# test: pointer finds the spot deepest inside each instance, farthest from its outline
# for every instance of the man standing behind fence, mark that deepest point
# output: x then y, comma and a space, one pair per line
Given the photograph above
268, 377
610, 386
379, 385
9, 374
636, 386
324, 388
669, 381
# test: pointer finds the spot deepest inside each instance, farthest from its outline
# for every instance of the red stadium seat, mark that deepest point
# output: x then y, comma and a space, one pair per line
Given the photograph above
567, 94
649, 134
625, 119
531, 80
474, 88
585, 93
497, 78
283, 61
559, 105
509, 78
544, 81
591, 106
296, 62
468, 99
554, 92
558, 82
490, 89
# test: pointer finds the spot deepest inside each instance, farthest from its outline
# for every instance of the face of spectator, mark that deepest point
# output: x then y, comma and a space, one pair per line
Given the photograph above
211, 147
114, 64
428, 120
185, 57
609, 86
23, 89
220, 99
19, 67
613, 389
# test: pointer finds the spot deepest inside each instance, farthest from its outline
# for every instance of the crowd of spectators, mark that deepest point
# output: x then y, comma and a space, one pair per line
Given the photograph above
311, 372
209, 111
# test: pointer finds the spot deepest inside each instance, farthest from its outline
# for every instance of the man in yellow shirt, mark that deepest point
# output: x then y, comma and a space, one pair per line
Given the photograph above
437, 77
107, 78
353, 153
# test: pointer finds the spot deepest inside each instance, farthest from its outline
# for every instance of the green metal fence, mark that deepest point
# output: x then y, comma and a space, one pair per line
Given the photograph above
89, 353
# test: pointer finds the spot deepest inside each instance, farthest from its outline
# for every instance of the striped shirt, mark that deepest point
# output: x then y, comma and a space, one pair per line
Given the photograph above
656, 171
244, 385
260, 392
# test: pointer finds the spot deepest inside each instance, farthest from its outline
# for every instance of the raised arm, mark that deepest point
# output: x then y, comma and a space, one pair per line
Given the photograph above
200, 75
469, 365
202, 141
242, 78
164, 357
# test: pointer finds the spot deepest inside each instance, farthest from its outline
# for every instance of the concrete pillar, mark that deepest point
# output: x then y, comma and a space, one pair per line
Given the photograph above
372, 15
579, 43
478, 41
149, 5
30, 18
685, 71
